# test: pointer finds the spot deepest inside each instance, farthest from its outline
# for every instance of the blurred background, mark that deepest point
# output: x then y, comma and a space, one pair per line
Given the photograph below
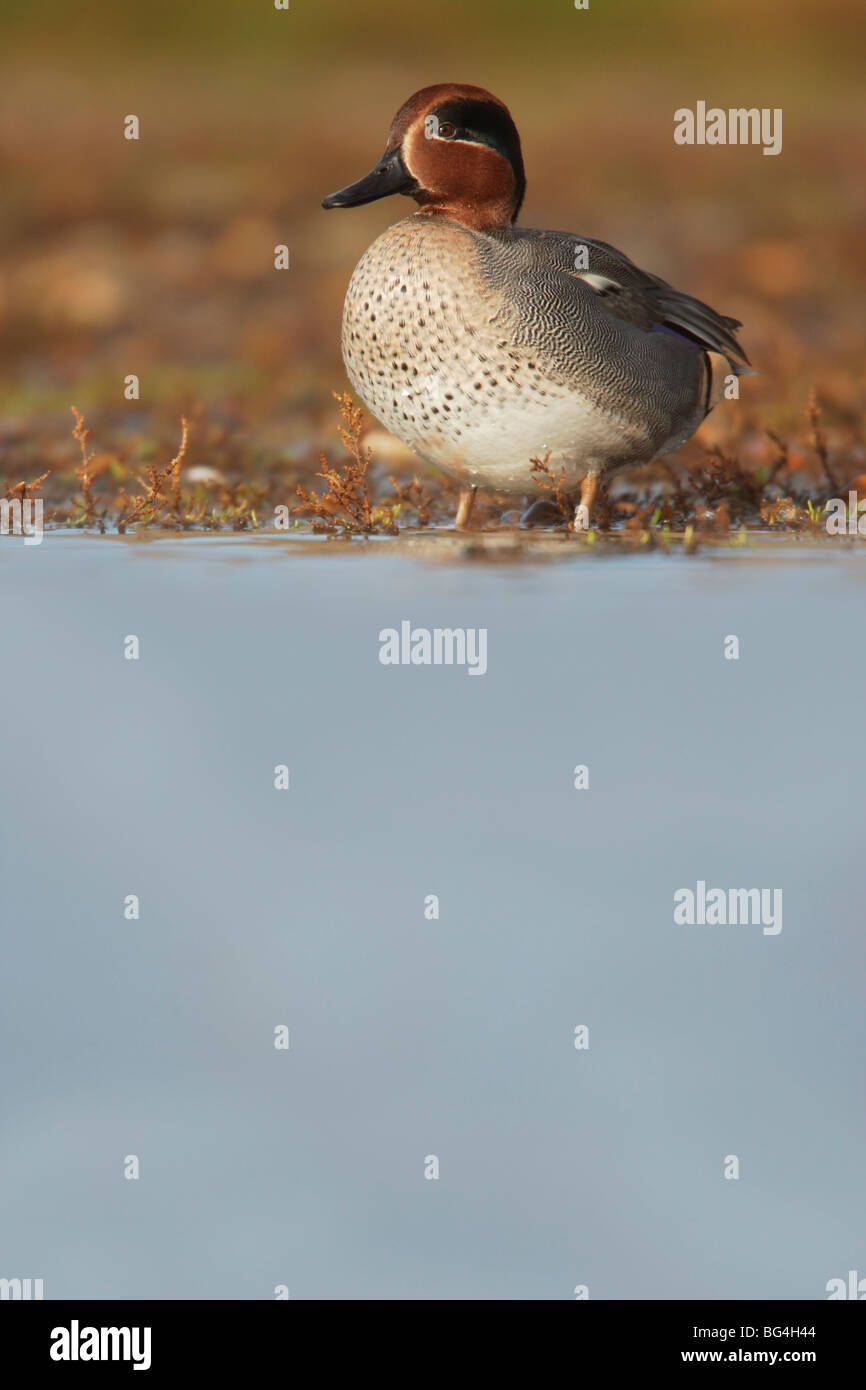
156, 257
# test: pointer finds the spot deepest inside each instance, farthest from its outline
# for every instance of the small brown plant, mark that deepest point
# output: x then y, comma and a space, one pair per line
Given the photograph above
84, 472
781, 462
819, 442
22, 491
345, 504
679, 502
414, 494
161, 494
782, 511
544, 476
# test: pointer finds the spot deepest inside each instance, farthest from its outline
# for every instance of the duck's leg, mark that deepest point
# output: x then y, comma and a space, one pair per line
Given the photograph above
588, 489
464, 507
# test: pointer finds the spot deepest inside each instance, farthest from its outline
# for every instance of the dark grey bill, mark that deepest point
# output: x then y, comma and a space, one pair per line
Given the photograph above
389, 176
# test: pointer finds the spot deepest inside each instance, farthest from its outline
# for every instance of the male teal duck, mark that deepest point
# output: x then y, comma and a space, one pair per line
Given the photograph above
483, 345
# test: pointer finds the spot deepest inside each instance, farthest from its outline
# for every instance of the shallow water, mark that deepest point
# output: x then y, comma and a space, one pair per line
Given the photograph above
413, 1037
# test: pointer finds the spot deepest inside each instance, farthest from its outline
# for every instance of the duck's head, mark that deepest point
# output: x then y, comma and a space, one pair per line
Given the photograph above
456, 151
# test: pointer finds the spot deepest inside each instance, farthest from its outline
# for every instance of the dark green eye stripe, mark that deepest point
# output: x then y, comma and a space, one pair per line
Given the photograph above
482, 124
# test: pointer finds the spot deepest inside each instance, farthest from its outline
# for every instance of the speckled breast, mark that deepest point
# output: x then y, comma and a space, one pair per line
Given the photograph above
434, 351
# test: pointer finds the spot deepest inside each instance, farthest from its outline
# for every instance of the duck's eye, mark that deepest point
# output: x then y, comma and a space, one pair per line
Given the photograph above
446, 130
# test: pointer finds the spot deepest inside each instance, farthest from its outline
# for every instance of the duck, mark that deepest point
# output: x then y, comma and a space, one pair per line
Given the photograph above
487, 347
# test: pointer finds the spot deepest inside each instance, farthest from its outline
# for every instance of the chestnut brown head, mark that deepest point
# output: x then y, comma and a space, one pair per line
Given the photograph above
454, 149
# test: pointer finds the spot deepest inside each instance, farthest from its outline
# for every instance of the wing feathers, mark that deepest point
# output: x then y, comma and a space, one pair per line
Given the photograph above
646, 300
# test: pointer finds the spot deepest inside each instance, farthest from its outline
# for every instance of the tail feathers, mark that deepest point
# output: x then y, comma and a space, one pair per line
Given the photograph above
713, 331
